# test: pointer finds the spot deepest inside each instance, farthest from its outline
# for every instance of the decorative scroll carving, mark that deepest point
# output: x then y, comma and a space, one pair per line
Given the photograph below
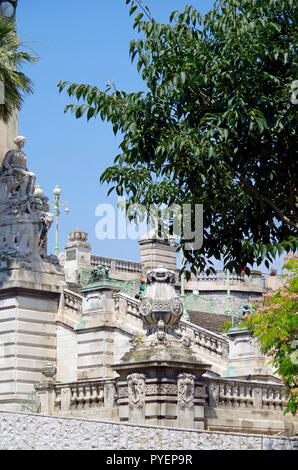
161, 389
136, 390
186, 390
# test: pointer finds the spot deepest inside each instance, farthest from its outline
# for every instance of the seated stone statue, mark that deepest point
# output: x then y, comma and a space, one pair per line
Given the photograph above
21, 181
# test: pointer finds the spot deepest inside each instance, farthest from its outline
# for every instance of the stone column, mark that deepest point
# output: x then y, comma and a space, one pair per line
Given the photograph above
155, 253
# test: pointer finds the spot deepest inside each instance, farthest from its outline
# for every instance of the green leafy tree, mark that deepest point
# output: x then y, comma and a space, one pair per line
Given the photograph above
275, 324
216, 126
16, 84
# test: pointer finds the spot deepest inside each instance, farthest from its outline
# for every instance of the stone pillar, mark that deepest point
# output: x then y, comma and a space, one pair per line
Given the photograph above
245, 358
8, 132
46, 389
77, 255
109, 393
157, 252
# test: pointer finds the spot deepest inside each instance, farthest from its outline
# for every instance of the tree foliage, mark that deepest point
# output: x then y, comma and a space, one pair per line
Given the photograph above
216, 126
16, 83
275, 324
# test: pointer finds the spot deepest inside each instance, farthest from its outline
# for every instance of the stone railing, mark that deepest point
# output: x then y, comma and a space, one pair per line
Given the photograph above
117, 264
227, 393
70, 305
125, 304
205, 340
218, 276
92, 395
88, 395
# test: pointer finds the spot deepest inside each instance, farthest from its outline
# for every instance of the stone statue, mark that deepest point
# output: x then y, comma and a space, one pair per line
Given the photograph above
20, 182
24, 219
100, 273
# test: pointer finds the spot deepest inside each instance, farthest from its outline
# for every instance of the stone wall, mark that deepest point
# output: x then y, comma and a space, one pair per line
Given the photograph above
27, 342
20, 431
219, 298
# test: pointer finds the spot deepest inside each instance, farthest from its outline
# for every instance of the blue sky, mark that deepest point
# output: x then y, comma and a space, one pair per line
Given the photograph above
83, 42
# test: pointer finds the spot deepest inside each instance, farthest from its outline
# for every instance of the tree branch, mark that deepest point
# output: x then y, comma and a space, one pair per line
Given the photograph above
254, 190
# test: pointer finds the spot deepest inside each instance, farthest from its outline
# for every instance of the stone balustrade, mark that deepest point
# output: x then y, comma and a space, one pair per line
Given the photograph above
70, 305
226, 393
102, 394
116, 264
205, 340
125, 304
218, 276
73, 398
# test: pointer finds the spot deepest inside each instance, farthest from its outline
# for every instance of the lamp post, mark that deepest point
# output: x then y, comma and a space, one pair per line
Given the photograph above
228, 310
185, 315
8, 8
57, 203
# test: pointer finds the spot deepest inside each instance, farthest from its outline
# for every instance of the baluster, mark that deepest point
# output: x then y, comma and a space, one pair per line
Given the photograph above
74, 397
232, 393
224, 394
88, 397
241, 396
81, 397
271, 398
94, 397
101, 396
237, 401
58, 398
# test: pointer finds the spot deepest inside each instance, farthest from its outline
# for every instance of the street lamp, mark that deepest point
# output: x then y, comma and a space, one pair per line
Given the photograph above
38, 192
185, 315
8, 8
57, 203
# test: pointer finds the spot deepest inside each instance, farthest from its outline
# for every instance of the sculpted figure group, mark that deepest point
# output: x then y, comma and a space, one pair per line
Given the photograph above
24, 219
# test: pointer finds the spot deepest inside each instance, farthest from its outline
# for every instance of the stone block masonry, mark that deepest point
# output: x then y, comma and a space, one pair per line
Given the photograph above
20, 431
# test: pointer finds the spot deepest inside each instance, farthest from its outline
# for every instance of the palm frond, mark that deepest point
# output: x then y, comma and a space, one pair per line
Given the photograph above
12, 59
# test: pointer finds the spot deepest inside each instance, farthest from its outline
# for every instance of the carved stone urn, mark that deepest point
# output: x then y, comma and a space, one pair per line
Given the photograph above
161, 302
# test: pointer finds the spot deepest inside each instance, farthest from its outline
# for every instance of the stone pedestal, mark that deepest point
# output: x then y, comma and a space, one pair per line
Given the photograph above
246, 360
30, 282
28, 312
160, 383
157, 252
